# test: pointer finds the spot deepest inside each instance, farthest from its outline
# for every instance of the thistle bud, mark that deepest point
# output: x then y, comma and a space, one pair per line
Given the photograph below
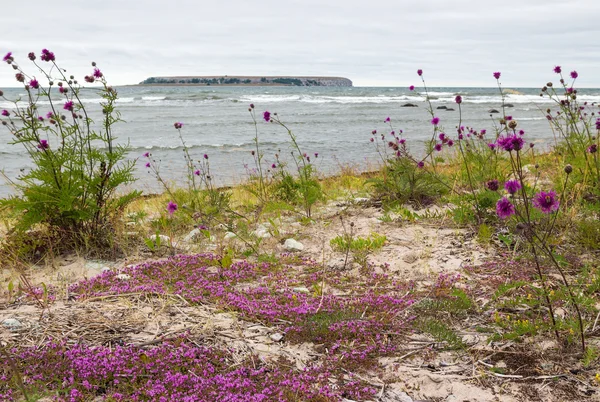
549, 85
568, 169
93, 64
512, 124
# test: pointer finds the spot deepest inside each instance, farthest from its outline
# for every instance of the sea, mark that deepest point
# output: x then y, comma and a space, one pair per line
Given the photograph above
334, 122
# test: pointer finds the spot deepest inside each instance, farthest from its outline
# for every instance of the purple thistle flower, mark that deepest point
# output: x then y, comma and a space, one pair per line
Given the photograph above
47, 55
5, 113
31, 56
146, 155
497, 75
205, 156
43, 145
197, 172
49, 115
20, 77
34, 84
411, 88
504, 208
512, 186
8, 57
592, 149
492, 146
442, 136
483, 131
148, 165
171, 207
420, 72
89, 78
421, 164
402, 141
450, 143
68, 106
492, 185
178, 125
546, 201
435, 121
511, 142
387, 120
458, 99
267, 116
557, 69
574, 74
97, 73
438, 147
273, 166
252, 106
316, 154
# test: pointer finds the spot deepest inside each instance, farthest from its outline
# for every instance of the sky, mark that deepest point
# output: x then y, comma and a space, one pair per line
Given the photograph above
374, 42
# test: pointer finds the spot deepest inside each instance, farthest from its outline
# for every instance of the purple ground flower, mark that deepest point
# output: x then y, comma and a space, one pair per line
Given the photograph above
5, 113
43, 145
497, 75
492, 185
171, 207
267, 116
68, 106
178, 125
557, 70
512, 186
546, 201
574, 74
435, 121
504, 208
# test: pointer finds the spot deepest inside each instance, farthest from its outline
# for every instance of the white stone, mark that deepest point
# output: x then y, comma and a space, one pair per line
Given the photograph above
193, 235
123, 277
276, 337
12, 323
230, 235
164, 239
293, 245
261, 232
301, 290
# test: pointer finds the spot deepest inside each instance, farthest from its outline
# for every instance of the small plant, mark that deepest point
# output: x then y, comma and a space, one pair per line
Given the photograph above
360, 247
77, 164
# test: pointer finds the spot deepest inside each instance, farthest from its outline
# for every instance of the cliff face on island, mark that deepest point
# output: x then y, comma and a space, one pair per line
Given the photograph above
250, 80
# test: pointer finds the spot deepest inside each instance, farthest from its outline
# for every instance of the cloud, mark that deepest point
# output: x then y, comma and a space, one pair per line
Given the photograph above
379, 42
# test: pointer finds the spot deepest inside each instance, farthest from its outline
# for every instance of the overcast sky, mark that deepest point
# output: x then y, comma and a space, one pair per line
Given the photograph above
372, 42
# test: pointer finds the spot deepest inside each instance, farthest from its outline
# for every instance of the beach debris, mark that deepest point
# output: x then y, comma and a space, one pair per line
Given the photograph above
293, 245
493, 111
409, 105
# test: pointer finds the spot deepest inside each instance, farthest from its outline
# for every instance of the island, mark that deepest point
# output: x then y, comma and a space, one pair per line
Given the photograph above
250, 81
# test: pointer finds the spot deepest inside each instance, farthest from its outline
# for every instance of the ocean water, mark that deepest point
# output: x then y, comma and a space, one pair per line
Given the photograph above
334, 122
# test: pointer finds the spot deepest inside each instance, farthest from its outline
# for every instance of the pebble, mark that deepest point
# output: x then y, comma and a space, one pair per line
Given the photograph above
301, 290
12, 323
193, 235
123, 277
276, 337
230, 235
261, 232
410, 257
293, 245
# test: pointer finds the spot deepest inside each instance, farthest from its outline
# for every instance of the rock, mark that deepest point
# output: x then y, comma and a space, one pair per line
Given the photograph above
105, 269
449, 109
293, 245
301, 290
123, 277
395, 396
164, 240
410, 257
131, 224
193, 235
12, 324
509, 105
493, 111
441, 107
409, 105
261, 232
230, 235
276, 337
452, 398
